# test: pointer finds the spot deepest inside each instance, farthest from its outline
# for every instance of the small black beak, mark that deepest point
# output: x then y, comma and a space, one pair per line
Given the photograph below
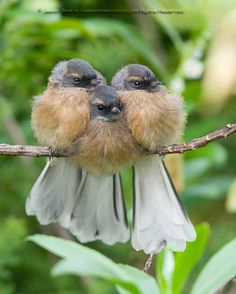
94, 82
156, 84
115, 110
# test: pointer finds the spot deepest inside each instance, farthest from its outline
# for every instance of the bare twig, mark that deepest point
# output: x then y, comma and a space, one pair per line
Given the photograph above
199, 142
149, 262
24, 150
39, 151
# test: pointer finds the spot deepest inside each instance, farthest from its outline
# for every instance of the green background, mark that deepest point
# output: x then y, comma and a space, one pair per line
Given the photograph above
189, 45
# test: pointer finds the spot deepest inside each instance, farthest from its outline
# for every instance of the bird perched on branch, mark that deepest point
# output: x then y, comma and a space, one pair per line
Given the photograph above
155, 118
81, 115
105, 148
62, 112
103, 131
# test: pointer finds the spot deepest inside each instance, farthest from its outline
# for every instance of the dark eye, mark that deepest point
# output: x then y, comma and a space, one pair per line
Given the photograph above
137, 84
119, 106
77, 80
100, 107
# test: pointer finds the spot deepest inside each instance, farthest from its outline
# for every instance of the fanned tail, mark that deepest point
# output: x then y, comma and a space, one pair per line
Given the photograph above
159, 218
99, 212
53, 195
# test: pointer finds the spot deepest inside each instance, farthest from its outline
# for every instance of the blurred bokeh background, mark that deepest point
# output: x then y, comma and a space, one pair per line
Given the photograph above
190, 46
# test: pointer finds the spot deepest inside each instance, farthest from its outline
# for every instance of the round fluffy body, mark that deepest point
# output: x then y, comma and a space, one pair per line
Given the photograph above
154, 118
105, 147
60, 116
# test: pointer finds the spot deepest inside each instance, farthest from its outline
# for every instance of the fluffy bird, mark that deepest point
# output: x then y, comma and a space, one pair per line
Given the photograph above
155, 118
82, 192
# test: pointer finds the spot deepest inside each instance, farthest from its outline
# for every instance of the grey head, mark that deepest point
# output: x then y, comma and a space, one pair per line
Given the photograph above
75, 73
105, 104
136, 77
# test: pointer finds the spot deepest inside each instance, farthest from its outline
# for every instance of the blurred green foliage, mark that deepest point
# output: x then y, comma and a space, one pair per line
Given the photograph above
172, 271
177, 47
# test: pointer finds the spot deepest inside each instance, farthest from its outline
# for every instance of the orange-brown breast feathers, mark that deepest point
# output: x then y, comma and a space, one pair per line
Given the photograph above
60, 115
155, 119
106, 147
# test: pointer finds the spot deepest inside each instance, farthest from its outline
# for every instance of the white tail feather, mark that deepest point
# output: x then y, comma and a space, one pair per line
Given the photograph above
54, 193
99, 212
159, 218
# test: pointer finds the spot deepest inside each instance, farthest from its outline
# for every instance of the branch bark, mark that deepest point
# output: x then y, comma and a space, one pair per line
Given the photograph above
149, 262
39, 151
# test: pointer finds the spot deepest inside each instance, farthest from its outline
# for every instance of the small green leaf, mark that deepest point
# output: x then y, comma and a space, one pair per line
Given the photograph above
91, 260
219, 270
165, 268
80, 260
159, 276
185, 261
75, 267
145, 283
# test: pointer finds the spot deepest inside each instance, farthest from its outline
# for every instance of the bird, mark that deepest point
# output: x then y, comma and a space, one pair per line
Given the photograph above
155, 118
79, 114
107, 146
62, 112
105, 149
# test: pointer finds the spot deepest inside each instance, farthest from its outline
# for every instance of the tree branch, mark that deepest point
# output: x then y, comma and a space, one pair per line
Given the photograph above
39, 151
149, 262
